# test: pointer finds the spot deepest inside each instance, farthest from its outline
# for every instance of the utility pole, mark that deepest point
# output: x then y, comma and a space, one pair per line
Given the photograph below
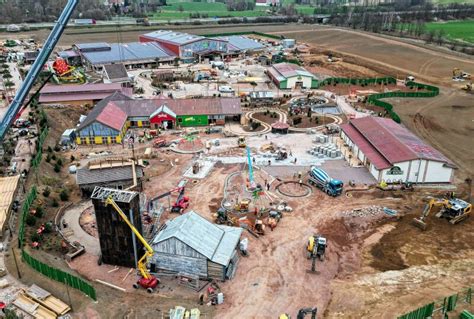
16, 264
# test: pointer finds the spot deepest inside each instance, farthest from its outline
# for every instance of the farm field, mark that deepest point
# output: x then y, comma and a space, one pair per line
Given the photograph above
455, 30
182, 10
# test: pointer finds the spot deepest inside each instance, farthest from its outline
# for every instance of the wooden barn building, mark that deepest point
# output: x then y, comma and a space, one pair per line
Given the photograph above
191, 245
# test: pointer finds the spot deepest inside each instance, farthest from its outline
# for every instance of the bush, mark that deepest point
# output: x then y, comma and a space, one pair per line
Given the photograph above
59, 162
54, 203
48, 158
35, 237
57, 148
53, 157
57, 168
50, 150
30, 220
64, 195
46, 192
73, 158
39, 212
48, 227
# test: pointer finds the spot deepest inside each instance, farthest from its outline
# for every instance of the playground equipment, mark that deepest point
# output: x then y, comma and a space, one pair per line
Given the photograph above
64, 73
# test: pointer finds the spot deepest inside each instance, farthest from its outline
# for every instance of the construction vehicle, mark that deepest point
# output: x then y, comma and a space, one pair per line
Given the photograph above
316, 248
182, 202
147, 280
453, 209
36, 68
321, 179
459, 74
467, 87
302, 313
223, 217
180, 189
241, 142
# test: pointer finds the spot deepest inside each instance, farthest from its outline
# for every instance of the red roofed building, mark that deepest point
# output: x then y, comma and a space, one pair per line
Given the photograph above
392, 153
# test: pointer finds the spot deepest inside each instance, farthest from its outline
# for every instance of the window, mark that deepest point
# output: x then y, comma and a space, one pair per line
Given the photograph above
113, 139
180, 120
145, 123
83, 140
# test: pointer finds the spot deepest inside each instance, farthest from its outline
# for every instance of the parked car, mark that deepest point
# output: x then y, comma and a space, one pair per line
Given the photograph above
226, 89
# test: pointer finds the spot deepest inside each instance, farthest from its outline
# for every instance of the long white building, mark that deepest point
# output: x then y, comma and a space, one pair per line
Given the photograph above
392, 153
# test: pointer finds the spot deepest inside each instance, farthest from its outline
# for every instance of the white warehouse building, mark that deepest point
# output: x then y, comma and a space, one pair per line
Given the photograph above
392, 153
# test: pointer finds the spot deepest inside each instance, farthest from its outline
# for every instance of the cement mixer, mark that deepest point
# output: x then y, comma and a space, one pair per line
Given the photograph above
319, 178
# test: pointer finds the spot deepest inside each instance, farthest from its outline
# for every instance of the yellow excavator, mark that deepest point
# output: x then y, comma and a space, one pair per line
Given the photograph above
301, 313
459, 74
241, 142
467, 87
147, 280
453, 209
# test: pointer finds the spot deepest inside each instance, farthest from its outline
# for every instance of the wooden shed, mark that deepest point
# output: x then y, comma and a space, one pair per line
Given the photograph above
190, 244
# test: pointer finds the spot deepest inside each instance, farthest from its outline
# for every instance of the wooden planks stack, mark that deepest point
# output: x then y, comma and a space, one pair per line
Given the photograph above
40, 304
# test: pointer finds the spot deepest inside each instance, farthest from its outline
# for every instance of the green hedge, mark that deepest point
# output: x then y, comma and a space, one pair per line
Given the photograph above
375, 99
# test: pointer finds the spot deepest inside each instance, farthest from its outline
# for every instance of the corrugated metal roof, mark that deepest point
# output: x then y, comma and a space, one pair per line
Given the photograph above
115, 71
386, 143
129, 52
178, 38
81, 88
287, 70
92, 46
86, 176
112, 116
215, 242
163, 109
241, 43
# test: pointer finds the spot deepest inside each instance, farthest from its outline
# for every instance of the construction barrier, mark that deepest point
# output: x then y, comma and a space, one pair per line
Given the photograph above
59, 275
442, 307
271, 36
428, 91
48, 271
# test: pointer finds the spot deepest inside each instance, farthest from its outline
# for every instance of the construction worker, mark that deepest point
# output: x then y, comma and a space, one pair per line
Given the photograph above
301, 183
295, 160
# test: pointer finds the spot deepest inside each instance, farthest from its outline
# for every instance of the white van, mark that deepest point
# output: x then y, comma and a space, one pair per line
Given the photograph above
226, 89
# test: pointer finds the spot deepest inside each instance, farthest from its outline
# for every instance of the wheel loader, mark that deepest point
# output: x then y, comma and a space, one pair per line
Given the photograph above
453, 209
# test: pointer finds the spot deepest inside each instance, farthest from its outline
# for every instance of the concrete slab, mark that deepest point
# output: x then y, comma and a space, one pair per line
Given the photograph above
205, 168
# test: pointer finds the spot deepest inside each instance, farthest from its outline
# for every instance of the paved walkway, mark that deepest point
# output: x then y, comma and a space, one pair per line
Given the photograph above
74, 231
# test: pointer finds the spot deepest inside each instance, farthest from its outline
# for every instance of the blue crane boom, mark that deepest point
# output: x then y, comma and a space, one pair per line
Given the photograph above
35, 70
249, 160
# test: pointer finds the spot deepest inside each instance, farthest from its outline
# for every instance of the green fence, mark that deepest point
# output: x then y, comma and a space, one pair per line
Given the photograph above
24, 212
59, 275
37, 159
48, 271
375, 99
440, 307
271, 36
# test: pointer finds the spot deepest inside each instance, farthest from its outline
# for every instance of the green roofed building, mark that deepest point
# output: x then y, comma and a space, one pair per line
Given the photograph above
291, 76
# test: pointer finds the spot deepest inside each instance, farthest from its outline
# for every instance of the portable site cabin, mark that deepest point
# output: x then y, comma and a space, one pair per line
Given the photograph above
190, 244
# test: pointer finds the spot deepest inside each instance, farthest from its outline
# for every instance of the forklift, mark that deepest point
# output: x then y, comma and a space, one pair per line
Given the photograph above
316, 248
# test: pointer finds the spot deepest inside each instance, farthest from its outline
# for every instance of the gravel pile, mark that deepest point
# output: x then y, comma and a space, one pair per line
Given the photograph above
363, 212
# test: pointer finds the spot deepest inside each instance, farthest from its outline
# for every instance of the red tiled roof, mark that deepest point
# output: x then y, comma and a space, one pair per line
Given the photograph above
381, 137
112, 116
280, 125
372, 154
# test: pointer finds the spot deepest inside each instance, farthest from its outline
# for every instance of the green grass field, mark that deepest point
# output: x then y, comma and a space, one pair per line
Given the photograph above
217, 9
456, 30
172, 11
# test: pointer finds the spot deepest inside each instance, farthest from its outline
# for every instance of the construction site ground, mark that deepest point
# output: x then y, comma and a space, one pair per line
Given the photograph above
377, 266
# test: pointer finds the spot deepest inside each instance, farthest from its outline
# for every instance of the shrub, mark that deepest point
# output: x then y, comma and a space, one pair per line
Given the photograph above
30, 220
48, 158
54, 203
54, 157
59, 161
73, 158
39, 212
48, 227
57, 168
64, 195
35, 237
57, 148
46, 192
50, 150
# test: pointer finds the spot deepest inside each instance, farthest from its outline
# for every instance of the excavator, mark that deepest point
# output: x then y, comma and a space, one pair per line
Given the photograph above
467, 87
453, 209
459, 74
302, 313
316, 248
147, 280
